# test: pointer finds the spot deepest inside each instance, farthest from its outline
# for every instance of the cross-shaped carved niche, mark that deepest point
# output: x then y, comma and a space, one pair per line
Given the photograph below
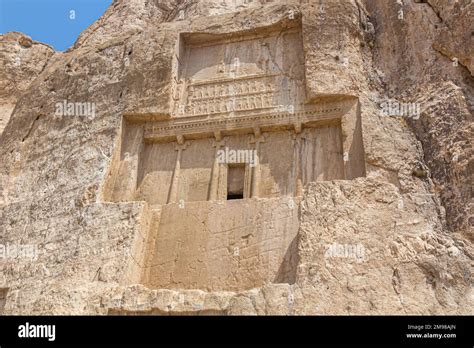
246, 91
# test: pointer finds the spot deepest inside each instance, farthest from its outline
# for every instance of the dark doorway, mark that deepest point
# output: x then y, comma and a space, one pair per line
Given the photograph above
235, 181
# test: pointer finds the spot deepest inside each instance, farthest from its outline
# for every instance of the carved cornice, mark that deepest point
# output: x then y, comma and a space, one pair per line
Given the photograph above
198, 126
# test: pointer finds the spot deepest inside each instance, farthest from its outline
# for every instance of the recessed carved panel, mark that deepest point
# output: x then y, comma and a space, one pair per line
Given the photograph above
240, 74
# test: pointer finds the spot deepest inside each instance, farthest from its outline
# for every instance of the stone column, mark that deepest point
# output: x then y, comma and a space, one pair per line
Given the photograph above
216, 169
297, 141
247, 180
256, 140
173, 194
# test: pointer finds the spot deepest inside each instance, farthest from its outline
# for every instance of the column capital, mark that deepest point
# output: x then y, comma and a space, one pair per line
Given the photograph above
182, 146
180, 139
298, 127
261, 138
218, 141
257, 132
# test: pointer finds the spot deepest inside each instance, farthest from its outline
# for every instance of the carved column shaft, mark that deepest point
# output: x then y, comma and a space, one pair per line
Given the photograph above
216, 169
298, 141
173, 193
257, 139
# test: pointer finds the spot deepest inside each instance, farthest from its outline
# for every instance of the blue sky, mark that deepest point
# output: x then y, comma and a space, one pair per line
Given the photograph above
50, 21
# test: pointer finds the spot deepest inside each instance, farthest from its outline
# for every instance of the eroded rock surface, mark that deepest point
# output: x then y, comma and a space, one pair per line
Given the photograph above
21, 61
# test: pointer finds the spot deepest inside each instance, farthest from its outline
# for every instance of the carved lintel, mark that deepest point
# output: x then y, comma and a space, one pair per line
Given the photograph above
168, 128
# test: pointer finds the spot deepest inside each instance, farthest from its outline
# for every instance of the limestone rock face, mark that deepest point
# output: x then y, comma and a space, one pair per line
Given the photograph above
365, 249
112, 200
22, 60
432, 64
